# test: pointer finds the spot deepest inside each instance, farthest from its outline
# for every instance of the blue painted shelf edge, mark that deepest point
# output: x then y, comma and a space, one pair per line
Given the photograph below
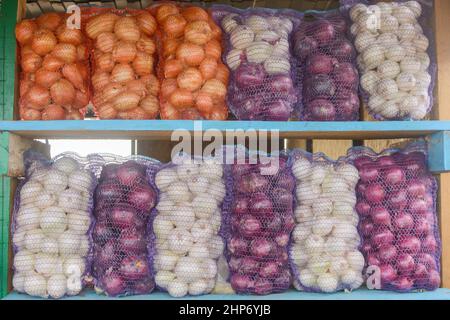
361, 294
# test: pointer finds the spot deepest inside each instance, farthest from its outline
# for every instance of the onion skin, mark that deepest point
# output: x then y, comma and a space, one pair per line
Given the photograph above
62, 92
37, 97
53, 112
126, 101
24, 31
126, 29
49, 21
30, 114
52, 63
73, 74
72, 36
30, 62
46, 78
101, 23
147, 23
66, 52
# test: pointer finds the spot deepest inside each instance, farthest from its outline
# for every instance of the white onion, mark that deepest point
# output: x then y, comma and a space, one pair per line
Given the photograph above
35, 285
18, 281
201, 231
69, 243
57, 286
177, 288
80, 180
164, 278
53, 221
165, 261
33, 240
28, 218
66, 165
23, 261
55, 181
165, 178
188, 269
327, 282
180, 241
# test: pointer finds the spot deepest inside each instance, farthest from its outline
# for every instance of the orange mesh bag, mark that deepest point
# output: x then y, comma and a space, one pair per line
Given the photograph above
123, 59
193, 78
54, 69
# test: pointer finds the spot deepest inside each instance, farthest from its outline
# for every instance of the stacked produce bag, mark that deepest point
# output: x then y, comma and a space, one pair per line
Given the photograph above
54, 77
394, 57
51, 226
194, 80
326, 69
397, 205
258, 54
122, 236
123, 59
325, 240
259, 220
187, 227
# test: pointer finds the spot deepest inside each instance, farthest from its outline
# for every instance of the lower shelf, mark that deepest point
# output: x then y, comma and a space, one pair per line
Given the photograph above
361, 294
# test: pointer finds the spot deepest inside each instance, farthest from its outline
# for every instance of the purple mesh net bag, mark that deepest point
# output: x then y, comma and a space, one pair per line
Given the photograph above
398, 223
324, 251
326, 66
123, 239
188, 225
396, 56
259, 221
257, 51
51, 225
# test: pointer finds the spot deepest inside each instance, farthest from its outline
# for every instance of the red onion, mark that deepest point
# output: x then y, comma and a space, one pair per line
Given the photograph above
134, 268
249, 75
385, 161
241, 282
416, 188
321, 110
113, 284
342, 50
261, 247
241, 169
130, 172
372, 260
387, 273
143, 286
102, 232
361, 162
263, 286
289, 222
108, 191
398, 200
405, 263
346, 75
285, 181
367, 174
260, 204
434, 279
394, 175
427, 260
421, 274
237, 246
422, 226
366, 248
418, 205
367, 227
404, 221
132, 240
403, 284
387, 253
282, 281
361, 187
304, 46
363, 208
240, 206
274, 223
278, 110
109, 171
282, 239
269, 269
251, 183
323, 32
381, 216
124, 216
410, 244
234, 264
374, 193
319, 86
429, 244
319, 63
105, 256
249, 226
248, 265
281, 84
282, 198
382, 237
143, 197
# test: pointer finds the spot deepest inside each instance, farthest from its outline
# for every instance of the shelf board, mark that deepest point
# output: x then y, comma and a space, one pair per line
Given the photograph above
361, 294
162, 129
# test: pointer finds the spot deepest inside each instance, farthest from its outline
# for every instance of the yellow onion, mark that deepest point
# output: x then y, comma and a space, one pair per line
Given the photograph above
110, 91
66, 52
24, 86
81, 100
122, 73
26, 49
30, 62
73, 74
49, 21
46, 78
53, 112
126, 101
43, 42
150, 105
101, 23
37, 97
143, 64
30, 114
124, 52
198, 32
146, 45
100, 80
104, 62
137, 86
146, 23
72, 36
74, 115
126, 29
82, 53
83, 68
25, 30
52, 63
62, 92
215, 88
151, 83
106, 41
135, 114
106, 111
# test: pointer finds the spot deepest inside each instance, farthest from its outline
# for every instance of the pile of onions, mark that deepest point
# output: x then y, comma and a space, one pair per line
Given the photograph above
325, 240
398, 225
51, 229
54, 79
124, 57
123, 204
260, 223
193, 78
393, 59
326, 63
258, 54
187, 226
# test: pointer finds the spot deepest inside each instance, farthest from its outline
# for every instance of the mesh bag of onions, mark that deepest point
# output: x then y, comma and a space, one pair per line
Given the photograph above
193, 78
324, 249
258, 55
188, 225
259, 220
396, 57
124, 53
124, 209
326, 69
54, 69
51, 225
398, 223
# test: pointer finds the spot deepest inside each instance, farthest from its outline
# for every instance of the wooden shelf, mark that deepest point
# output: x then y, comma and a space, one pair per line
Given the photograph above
163, 129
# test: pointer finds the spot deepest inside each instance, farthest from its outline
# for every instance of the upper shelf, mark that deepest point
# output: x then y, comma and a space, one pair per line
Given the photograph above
163, 129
